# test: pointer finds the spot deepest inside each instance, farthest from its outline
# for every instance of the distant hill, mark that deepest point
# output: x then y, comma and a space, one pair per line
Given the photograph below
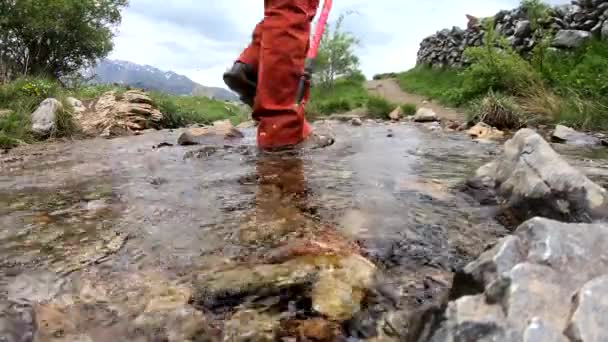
151, 78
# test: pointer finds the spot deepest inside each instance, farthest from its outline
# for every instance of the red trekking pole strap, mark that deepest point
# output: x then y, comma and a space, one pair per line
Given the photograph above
312, 52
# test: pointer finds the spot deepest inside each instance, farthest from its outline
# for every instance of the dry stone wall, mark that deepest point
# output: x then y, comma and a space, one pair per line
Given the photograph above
571, 25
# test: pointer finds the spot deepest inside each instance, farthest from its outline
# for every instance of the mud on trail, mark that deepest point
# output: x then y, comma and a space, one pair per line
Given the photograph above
128, 241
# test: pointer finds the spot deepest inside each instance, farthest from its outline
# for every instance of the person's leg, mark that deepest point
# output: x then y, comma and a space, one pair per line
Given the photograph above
251, 54
285, 37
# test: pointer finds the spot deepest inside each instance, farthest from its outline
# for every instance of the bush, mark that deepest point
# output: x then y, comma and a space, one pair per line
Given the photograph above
409, 109
378, 107
443, 85
497, 110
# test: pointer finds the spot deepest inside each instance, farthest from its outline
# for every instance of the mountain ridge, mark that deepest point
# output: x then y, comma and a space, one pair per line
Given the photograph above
147, 77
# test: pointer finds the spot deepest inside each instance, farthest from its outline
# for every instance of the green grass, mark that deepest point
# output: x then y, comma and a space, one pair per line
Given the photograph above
409, 109
343, 96
442, 85
569, 87
180, 111
23, 96
378, 107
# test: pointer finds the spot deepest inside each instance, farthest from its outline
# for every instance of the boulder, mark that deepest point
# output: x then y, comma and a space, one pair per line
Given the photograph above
605, 30
563, 134
531, 179
118, 114
76, 105
528, 282
570, 38
396, 114
523, 29
425, 115
43, 119
216, 134
590, 319
486, 132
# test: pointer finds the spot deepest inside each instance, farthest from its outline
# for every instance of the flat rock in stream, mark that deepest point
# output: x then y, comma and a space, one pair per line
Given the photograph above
220, 132
425, 115
336, 285
231, 286
530, 179
567, 135
533, 281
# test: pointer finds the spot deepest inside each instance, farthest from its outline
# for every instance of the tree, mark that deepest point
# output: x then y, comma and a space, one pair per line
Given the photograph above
336, 57
55, 37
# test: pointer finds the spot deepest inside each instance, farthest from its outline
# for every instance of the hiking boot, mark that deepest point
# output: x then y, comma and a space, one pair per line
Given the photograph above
314, 141
242, 79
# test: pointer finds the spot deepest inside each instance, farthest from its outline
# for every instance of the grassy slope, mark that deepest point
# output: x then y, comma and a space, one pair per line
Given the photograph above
573, 87
345, 95
23, 96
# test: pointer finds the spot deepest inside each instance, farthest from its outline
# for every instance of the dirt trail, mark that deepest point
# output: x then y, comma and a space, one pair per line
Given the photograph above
390, 90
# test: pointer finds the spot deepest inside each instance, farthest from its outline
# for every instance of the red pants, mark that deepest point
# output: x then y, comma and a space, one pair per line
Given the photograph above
277, 51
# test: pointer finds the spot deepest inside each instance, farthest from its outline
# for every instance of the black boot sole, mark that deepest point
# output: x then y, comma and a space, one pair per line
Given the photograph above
242, 86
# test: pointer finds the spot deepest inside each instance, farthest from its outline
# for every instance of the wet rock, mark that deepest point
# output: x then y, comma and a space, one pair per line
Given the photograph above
182, 324
316, 329
537, 270
43, 119
229, 287
523, 28
38, 287
534, 181
590, 319
396, 114
249, 325
356, 122
220, 132
570, 38
339, 291
484, 131
425, 115
118, 114
563, 134
76, 105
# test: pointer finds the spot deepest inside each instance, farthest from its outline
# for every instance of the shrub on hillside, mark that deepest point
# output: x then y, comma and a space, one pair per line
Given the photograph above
497, 110
378, 107
409, 109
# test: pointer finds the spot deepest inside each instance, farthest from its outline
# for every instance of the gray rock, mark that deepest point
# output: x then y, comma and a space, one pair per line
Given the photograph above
571, 38
425, 115
541, 266
523, 28
356, 122
43, 119
563, 134
590, 319
533, 180
605, 30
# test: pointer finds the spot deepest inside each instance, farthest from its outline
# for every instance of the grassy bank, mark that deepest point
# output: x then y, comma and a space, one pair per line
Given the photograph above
345, 95
20, 98
500, 86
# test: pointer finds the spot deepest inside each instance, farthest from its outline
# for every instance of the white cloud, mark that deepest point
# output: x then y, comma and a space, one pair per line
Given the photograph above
200, 39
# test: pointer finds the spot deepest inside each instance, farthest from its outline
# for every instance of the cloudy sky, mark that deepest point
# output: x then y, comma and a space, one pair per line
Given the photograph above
200, 39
